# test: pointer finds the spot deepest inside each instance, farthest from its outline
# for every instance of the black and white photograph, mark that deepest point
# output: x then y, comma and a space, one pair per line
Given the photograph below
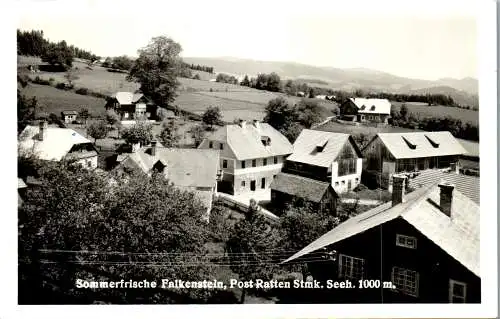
261, 153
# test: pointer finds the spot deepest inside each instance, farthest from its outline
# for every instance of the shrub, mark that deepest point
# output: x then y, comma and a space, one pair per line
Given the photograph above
82, 91
52, 80
61, 86
39, 80
98, 95
360, 188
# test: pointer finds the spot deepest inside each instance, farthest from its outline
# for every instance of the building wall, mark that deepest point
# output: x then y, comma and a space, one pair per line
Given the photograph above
373, 117
341, 183
89, 162
378, 248
306, 170
244, 177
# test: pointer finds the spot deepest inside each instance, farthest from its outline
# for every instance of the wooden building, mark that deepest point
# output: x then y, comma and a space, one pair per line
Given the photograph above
69, 116
290, 189
389, 153
326, 156
365, 110
132, 106
423, 245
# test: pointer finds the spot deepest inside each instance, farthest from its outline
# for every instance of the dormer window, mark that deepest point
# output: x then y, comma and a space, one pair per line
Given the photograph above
372, 108
159, 167
210, 144
362, 107
320, 147
410, 144
266, 140
434, 144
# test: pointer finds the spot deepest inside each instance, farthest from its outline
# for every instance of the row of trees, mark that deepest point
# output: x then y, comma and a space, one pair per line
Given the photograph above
33, 43
226, 78
121, 63
430, 99
198, 67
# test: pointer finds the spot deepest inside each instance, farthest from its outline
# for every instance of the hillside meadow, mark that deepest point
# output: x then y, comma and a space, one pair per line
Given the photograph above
422, 110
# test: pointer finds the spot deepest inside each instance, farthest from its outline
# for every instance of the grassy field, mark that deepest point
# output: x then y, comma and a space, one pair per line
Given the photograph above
52, 100
357, 129
422, 110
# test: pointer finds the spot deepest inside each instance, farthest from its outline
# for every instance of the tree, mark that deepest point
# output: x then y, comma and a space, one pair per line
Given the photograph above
309, 112
212, 116
97, 130
290, 88
198, 134
292, 131
70, 76
246, 81
249, 246
196, 77
140, 132
273, 82
26, 110
122, 62
84, 114
58, 54
403, 111
169, 135
111, 117
156, 70
157, 234
279, 114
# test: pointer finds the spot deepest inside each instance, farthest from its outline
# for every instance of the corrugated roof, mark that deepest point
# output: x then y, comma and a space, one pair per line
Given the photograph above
185, 167
305, 147
421, 144
55, 145
467, 185
127, 97
299, 186
371, 106
246, 143
458, 236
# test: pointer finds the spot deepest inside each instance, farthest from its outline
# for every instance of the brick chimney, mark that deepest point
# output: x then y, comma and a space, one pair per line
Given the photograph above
42, 134
446, 197
153, 148
398, 189
243, 123
256, 124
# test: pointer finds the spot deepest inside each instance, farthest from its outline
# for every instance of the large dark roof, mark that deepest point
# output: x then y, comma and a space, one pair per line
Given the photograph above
307, 188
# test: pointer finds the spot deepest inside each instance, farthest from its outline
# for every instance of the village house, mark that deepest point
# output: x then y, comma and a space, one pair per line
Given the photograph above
326, 156
57, 144
366, 110
288, 189
192, 170
251, 155
389, 153
69, 116
426, 243
132, 106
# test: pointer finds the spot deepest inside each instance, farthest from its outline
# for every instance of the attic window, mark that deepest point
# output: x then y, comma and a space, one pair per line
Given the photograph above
410, 144
362, 107
321, 147
434, 144
266, 140
372, 108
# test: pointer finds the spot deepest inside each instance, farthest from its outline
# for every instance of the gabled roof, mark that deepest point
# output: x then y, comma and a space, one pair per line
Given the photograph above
305, 147
69, 112
307, 188
458, 236
245, 142
467, 185
126, 98
184, 167
55, 145
420, 144
372, 106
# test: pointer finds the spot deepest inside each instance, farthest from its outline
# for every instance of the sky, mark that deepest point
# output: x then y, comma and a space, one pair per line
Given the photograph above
426, 39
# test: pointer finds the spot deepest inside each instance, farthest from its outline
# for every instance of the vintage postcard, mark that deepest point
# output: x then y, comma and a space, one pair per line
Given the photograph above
261, 155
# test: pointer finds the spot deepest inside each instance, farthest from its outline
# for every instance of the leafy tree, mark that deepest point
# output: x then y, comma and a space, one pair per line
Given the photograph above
78, 210
212, 116
169, 135
290, 88
249, 244
70, 76
26, 110
196, 77
279, 114
198, 134
292, 131
403, 111
97, 130
58, 54
84, 114
140, 132
309, 112
273, 82
122, 62
112, 118
157, 68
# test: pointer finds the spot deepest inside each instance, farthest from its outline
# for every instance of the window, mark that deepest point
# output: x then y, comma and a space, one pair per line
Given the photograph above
211, 144
406, 241
242, 183
405, 280
357, 180
263, 183
242, 164
458, 291
274, 176
347, 167
343, 182
336, 183
89, 163
264, 162
351, 267
276, 160
254, 163
221, 146
224, 163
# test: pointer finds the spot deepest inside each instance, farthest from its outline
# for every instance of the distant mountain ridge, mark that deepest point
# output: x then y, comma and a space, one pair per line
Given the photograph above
463, 91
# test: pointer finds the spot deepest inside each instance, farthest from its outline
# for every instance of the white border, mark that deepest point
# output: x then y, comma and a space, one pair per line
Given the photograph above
487, 49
